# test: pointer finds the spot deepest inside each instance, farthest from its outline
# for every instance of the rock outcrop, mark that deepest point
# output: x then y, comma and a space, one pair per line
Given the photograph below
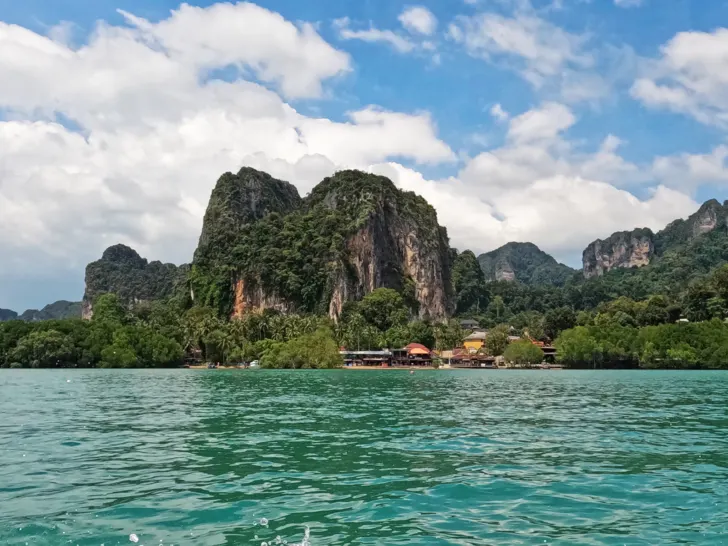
622, 249
7, 314
523, 262
135, 280
640, 247
264, 248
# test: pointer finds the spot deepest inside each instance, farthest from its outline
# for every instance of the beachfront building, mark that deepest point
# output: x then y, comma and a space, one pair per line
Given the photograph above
415, 354
366, 358
475, 341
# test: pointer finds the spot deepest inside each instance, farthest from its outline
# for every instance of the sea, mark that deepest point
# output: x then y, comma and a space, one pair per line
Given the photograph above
344, 457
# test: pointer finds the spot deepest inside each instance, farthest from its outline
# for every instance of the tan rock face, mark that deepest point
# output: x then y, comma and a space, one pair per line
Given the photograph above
624, 249
250, 298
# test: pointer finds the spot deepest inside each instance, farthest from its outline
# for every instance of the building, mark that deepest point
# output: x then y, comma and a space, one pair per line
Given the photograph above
415, 354
475, 341
366, 358
469, 324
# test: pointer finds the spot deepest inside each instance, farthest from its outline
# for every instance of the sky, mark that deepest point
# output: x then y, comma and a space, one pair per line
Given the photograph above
551, 121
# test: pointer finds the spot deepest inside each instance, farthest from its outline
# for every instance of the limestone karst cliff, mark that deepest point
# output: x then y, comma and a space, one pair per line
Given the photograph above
135, 280
523, 262
354, 233
639, 247
622, 249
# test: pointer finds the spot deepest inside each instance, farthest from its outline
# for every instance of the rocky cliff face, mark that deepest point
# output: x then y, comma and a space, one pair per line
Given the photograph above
239, 200
523, 262
122, 271
394, 241
623, 249
639, 247
354, 233
7, 314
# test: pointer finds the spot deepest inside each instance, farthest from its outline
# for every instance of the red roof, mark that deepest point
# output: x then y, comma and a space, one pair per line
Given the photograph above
416, 346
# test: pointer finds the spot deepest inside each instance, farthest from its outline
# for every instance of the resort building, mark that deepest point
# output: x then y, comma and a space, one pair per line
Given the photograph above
475, 341
469, 324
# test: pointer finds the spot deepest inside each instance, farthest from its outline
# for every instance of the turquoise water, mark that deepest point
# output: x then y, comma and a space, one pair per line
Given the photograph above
89, 457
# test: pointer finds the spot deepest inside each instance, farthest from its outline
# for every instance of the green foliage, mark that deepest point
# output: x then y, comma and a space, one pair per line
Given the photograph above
469, 284
123, 272
383, 308
448, 335
577, 346
298, 251
317, 350
529, 264
557, 320
108, 308
690, 345
523, 353
43, 349
496, 341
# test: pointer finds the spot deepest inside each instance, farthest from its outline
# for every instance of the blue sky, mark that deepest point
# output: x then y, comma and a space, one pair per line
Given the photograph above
554, 121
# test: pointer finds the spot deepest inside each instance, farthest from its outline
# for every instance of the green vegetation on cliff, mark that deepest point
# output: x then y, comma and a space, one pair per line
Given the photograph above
295, 255
123, 272
525, 263
58, 310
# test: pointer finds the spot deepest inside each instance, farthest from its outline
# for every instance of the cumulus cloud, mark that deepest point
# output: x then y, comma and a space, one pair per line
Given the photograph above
419, 20
122, 139
545, 211
689, 77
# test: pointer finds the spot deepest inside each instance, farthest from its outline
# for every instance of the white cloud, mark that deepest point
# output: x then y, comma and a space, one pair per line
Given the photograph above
419, 20
541, 49
559, 64
498, 113
628, 3
151, 129
373, 35
543, 123
561, 214
689, 171
156, 128
689, 77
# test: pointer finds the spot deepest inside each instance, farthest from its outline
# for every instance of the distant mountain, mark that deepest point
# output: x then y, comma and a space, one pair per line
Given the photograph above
641, 247
7, 314
526, 263
135, 280
59, 310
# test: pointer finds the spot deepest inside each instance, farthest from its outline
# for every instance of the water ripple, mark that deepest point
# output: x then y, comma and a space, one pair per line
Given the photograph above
461, 457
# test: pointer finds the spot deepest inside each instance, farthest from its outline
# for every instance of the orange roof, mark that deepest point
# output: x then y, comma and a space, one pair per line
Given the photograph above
418, 351
416, 346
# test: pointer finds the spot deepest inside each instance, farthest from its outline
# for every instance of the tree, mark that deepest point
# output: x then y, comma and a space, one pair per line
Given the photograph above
523, 353
576, 346
317, 350
108, 308
449, 335
497, 307
421, 332
557, 320
469, 284
496, 340
383, 308
43, 349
